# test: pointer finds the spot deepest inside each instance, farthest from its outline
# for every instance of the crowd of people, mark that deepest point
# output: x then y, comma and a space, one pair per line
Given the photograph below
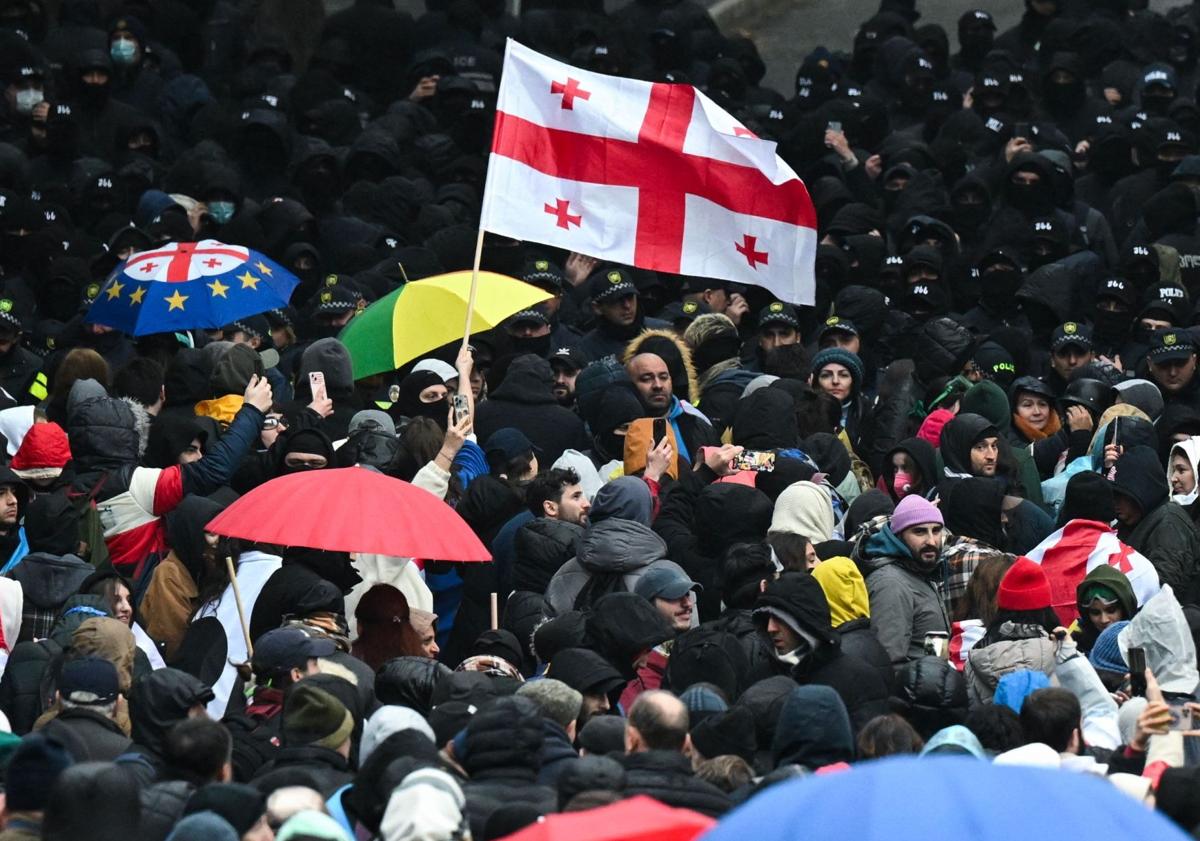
951, 508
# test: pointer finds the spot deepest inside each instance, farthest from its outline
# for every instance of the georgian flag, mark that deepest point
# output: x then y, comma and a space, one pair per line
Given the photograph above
651, 175
1079, 547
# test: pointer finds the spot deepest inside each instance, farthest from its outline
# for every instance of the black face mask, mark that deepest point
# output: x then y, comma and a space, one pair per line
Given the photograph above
1111, 327
976, 44
435, 411
1032, 200
1111, 159
1157, 104
93, 96
999, 289
1064, 96
537, 345
968, 218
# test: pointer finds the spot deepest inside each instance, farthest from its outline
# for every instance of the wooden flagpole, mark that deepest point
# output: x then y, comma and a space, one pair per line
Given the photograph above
474, 288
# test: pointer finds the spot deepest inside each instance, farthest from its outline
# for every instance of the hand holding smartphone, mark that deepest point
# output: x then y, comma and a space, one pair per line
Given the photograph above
316, 384
462, 407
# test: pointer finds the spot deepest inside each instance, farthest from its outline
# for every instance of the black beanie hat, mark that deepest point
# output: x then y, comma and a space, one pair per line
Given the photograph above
730, 732
499, 643
553, 635
240, 804
34, 767
1088, 496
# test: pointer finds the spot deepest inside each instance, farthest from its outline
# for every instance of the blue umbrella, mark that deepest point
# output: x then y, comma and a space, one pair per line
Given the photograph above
186, 285
907, 799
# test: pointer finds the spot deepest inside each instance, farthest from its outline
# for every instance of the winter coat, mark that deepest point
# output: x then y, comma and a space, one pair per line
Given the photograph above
542, 546
88, 735
858, 640
409, 682
905, 604
701, 521
557, 753
47, 581
502, 748
667, 776
158, 702
162, 807
168, 604
622, 626
318, 768
106, 446
525, 401
1024, 647
616, 549
798, 600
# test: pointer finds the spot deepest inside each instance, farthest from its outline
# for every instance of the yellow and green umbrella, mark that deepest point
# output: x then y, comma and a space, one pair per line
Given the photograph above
425, 314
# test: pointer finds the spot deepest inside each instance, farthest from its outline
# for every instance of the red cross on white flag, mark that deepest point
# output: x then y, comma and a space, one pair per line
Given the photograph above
651, 175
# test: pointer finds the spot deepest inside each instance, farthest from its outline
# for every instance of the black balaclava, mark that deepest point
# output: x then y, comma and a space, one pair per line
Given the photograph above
537, 345
410, 403
1066, 96
999, 288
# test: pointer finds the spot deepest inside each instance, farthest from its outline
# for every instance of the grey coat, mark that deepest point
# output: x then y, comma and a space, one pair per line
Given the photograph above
1030, 648
613, 546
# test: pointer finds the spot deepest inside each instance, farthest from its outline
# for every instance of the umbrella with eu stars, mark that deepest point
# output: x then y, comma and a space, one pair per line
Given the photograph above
190, 285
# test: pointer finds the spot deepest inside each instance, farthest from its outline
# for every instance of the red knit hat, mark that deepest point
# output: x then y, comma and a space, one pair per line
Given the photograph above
1024, 587
43, 453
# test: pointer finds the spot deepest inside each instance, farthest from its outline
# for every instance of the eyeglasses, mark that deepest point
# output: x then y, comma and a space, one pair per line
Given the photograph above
274, 423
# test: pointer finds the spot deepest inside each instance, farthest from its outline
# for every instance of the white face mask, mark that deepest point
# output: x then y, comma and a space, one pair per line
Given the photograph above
27, 99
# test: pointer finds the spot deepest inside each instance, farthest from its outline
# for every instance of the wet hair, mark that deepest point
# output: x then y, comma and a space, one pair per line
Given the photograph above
888, 735
817, 411
745, 565
791, 549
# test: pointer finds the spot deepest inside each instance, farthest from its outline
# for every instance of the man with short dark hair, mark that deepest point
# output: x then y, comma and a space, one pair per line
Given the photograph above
141, 379
1053, 717
197, 751
566, 362
657, 751
557, 494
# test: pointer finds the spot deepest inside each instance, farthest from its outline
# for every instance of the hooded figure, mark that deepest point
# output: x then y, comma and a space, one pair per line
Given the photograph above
1189, 452
850, 612
806, 509
177, 582
919, 475
623, 627
813, 730
615, 551
158, 702
1104, 596
1152, 524
793, 611
525, 400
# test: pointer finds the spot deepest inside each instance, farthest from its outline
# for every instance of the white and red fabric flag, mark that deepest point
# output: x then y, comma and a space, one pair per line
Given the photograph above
652, 175
1079, 547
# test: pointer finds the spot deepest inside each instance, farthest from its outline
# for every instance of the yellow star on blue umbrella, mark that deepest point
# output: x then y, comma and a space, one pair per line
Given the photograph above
114, 291
176, 301
218, 289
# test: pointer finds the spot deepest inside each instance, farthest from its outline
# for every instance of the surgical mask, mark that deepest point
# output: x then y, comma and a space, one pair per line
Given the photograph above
122, 51
902, 484
27, 99
221, 211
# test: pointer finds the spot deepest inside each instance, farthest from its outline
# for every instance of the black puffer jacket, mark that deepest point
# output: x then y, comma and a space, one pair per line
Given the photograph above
931, 694
162, 807
766, 420
542, 546
503, 757
318, 768
667, 776
409, 682
525, 401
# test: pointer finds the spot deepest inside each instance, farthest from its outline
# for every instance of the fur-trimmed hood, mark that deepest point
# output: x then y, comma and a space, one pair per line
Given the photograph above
676, 353
105, 432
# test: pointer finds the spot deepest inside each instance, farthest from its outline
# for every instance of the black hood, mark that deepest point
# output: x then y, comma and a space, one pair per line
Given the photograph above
529, 380
971, 508
799, 596
943, 347
728, 513
922, 454
1138, 474
813, 729
766, 420
170, 434
47, 581
622, 626
159, 701
185, 532
958, 436
487, 505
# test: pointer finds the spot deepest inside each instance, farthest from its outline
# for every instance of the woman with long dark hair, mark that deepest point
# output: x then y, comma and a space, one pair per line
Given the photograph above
1019, 635
385, 628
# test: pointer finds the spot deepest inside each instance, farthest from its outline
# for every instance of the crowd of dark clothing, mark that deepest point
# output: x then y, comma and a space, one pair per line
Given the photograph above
950, 508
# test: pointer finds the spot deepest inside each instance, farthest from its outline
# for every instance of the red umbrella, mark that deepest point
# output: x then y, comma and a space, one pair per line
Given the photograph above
351, 509
636, 819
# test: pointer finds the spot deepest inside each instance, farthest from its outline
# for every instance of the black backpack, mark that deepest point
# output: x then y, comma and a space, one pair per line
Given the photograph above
707, 654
